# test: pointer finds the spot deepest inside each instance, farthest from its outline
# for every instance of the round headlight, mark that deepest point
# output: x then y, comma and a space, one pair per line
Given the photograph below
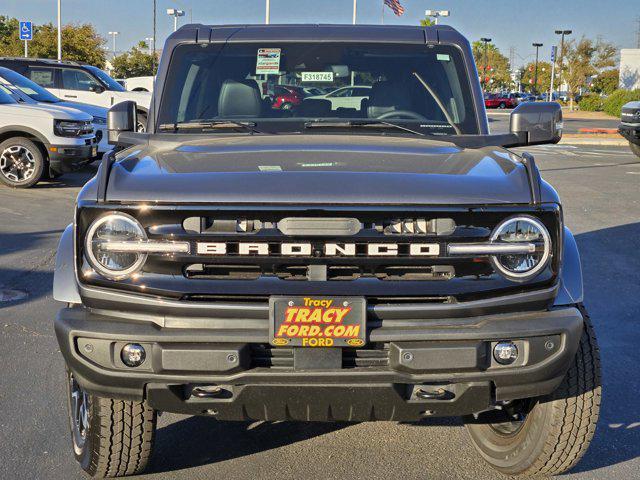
115, 227
522, 229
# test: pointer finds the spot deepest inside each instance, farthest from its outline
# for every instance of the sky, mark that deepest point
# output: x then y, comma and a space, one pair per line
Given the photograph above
510, 23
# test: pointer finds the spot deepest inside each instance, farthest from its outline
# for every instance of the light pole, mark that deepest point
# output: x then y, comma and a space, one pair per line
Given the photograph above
175, 13
59, 30
113, 35
535, 75
562, 34
486, 42
149, 40
437, 13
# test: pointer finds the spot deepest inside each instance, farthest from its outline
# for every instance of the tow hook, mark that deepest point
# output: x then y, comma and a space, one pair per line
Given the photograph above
207, 391
438, 394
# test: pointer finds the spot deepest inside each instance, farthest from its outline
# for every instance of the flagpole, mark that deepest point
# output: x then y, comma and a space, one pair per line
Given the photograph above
382, 12
267, 17
355, 10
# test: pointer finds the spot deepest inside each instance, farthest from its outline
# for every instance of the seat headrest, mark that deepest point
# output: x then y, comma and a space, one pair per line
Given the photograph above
239, 99
315, 107
386, 97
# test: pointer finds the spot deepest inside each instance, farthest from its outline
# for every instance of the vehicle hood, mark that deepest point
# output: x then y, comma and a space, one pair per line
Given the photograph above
316, 169
141, 98
93, 110
48, 110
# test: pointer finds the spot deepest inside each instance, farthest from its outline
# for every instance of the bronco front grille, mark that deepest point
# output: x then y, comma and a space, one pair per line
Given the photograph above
264, 356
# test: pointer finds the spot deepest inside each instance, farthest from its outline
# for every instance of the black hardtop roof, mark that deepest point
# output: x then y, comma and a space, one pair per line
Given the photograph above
315, 33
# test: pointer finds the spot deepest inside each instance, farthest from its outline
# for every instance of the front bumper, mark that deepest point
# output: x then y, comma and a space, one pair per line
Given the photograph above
67, 158
441, 367
631, 132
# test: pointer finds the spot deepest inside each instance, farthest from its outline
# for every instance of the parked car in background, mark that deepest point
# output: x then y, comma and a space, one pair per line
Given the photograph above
24, 90
498, 100
139, 84
79, 83
630, 125
39, 141
346, 97
285, 97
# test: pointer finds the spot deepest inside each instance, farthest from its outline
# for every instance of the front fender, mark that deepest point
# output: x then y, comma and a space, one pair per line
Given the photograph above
571, 289
65, 285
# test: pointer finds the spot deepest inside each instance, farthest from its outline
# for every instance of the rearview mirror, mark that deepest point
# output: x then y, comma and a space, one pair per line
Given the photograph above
537, 123
122, 117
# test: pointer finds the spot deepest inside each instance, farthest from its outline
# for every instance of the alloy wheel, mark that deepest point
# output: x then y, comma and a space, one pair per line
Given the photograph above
17, 163
79, 413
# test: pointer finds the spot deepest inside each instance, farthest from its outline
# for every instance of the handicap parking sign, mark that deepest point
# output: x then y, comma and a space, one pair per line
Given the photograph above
26, 31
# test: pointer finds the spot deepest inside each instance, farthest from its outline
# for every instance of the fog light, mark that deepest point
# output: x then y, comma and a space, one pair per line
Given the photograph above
133, 355
505, 353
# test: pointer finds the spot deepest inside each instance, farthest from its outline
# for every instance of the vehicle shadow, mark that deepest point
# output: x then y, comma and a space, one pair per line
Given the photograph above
69, 180
196, 441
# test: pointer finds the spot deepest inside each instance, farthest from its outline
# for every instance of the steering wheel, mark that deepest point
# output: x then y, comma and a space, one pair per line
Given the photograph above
403, 114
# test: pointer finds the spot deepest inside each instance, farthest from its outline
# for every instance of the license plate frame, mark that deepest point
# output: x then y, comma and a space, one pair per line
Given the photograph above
353, 321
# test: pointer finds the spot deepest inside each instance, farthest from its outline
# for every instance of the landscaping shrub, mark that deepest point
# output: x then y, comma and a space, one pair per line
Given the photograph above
614, 102
591, 103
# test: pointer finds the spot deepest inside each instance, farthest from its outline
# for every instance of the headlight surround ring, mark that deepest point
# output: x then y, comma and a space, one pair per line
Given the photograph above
546, 252
100, 267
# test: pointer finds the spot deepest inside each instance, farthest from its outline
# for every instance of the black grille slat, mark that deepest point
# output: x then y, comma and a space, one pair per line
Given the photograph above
265, 356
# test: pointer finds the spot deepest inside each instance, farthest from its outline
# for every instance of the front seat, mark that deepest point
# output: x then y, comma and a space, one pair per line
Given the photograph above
387, 97
239, 99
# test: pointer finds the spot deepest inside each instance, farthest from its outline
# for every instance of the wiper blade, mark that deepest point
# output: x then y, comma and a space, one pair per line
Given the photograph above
208, 125
360, 124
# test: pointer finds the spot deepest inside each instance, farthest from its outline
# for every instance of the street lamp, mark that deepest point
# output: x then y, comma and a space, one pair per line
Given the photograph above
113, 35
486, 44
175, 13
562, 34
535, 76
437, 13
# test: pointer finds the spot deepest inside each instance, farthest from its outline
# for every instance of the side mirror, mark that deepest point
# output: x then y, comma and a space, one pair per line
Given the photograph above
537, 123
97, 88
122, 117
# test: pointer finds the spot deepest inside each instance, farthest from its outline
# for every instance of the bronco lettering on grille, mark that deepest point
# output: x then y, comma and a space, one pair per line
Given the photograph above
307, 249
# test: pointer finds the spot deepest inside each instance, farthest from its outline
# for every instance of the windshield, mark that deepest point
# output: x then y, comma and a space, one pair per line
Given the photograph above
286, 87
5, 96
109, 82
28, 87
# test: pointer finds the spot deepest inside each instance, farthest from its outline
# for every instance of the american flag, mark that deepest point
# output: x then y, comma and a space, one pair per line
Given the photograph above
395, 6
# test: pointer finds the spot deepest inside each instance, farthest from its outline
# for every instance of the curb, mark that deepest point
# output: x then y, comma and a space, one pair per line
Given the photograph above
612, 142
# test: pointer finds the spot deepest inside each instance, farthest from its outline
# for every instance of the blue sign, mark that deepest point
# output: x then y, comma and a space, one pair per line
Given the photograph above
26, 31
553, 53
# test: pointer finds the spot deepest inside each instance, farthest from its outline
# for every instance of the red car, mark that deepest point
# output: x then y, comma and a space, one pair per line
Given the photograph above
287, 96
496, 100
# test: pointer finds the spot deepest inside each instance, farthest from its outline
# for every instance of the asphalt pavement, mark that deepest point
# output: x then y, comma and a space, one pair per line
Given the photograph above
601, 194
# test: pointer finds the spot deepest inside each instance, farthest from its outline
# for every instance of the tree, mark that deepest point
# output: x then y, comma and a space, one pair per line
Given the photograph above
584, 58
498, 70
606, 82
134, 63
79, 42
544, 77
427, 22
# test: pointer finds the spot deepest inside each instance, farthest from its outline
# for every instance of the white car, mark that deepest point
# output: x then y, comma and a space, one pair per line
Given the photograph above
346, 97
37, 141
26, 91
139, 84
76, 82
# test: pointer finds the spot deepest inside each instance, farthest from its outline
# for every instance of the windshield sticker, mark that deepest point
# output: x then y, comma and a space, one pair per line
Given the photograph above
443, 57
268, 61
317, 77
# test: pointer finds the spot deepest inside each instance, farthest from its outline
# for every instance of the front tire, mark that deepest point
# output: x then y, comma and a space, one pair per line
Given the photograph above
635, 148
141, 126
111, 438
21, 163
552, 432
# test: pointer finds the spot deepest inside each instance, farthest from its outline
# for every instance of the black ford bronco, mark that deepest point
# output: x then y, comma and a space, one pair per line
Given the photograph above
371, 253
630, 125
